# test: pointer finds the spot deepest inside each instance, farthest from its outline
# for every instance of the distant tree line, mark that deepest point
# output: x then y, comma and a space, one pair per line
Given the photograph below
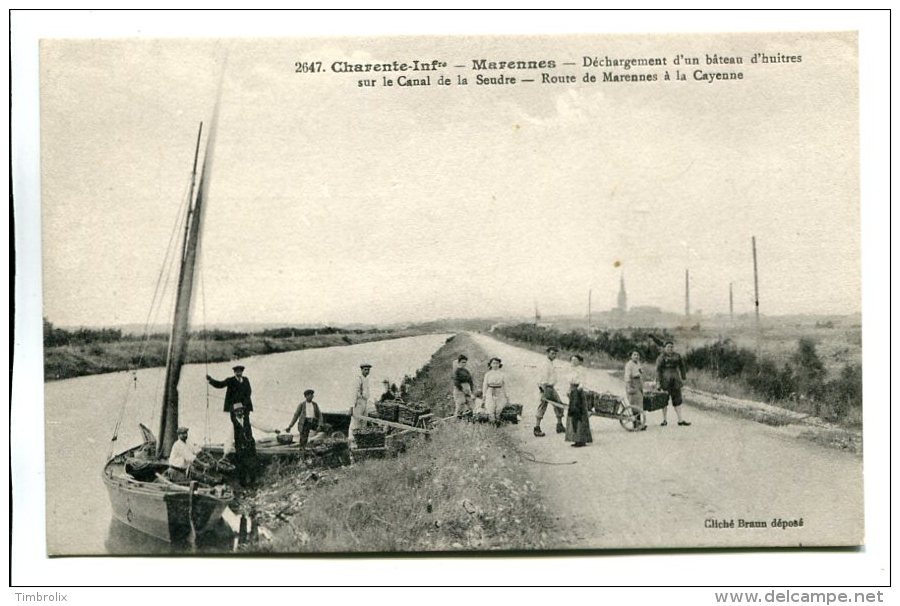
56, 337
801, 377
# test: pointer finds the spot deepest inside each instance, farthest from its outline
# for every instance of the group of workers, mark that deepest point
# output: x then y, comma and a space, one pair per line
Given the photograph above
670, 375
238, 404
493, 397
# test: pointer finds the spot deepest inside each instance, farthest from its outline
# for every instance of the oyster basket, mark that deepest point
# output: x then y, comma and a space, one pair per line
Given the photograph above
409, 413
389, 411
655, 400
369, 437
511, 413
606, 403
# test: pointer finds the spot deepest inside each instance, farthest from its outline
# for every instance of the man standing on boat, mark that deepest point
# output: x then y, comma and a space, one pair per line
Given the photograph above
361, 398
237, 391
181, 456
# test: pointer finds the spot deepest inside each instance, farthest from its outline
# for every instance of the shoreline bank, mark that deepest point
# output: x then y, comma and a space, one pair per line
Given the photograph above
71, 361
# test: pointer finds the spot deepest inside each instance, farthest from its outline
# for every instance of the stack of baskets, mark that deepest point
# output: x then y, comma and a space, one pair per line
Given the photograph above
409, 413
369, 437
388, 410
655, 400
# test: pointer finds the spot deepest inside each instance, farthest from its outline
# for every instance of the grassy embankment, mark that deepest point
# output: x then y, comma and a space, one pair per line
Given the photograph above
67, 361
465, 488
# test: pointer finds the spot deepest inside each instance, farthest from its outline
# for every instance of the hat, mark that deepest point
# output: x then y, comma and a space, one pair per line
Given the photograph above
237, 407
365, 365
578, 357
308, 392
551, 348
182, 430
670, 342
462, 357
238, 367
498, 360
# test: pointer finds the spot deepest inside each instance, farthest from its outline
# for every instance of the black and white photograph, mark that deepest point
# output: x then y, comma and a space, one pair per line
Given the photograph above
457, 295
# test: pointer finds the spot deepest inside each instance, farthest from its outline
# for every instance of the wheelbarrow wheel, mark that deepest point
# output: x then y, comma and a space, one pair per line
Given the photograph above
632, 418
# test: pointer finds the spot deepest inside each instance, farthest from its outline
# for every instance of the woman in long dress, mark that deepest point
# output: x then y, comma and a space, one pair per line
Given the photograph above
494, 390
578, 426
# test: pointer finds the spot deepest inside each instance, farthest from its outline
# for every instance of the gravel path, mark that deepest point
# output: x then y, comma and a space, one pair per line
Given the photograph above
663, 487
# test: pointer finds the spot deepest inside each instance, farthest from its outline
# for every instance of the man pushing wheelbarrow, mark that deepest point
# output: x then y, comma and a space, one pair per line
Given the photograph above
547, 386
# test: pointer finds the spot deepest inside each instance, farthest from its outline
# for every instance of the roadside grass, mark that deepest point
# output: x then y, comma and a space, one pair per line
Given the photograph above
466, 488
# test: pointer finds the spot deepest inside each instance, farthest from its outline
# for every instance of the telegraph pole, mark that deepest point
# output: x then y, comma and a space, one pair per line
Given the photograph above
687, 294
731, 302
589, 310
756, 294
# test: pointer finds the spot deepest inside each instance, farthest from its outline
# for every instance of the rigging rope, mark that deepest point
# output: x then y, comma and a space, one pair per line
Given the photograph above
205, 344
155, 303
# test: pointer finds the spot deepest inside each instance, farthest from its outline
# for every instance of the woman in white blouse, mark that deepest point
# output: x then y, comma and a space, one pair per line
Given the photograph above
634, 383
494, 389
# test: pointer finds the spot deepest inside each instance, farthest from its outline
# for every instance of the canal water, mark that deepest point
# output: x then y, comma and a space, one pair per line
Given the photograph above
81, 413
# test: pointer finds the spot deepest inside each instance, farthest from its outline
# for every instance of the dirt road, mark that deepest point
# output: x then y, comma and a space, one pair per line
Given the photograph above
683, 486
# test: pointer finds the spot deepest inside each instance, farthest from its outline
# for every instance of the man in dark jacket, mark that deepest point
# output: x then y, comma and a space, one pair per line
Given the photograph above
670, 375
237, 391
244, 446
463, 388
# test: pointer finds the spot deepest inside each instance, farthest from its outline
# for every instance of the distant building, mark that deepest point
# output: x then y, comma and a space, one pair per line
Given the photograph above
622, 306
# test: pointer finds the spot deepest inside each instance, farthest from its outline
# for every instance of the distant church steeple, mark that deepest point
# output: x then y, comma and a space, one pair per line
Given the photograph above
623, 298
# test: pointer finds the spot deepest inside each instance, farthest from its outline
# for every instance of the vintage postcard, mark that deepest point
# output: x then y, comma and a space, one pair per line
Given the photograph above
451, 294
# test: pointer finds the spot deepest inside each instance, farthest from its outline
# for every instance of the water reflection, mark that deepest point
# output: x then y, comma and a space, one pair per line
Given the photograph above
228, 535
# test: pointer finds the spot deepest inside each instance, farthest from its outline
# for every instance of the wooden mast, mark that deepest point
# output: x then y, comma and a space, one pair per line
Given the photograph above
168, 423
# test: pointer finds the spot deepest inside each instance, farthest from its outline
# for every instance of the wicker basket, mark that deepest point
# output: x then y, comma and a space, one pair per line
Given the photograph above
369, 437
605, 403
655, 400
510, 413
388, 411
409, 413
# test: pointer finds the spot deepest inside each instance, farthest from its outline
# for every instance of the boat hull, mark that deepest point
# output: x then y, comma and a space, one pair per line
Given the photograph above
164, 511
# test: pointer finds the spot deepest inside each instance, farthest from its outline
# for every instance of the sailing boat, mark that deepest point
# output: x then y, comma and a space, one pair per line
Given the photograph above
140, 495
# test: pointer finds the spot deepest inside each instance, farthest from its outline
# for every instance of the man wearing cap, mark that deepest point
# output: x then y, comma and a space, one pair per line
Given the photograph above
463, 387
361, 398
181, 457
237, 391
308, 418
547, 386
670, 375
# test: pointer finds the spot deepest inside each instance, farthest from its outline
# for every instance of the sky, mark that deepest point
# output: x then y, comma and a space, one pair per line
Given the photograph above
334, 203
